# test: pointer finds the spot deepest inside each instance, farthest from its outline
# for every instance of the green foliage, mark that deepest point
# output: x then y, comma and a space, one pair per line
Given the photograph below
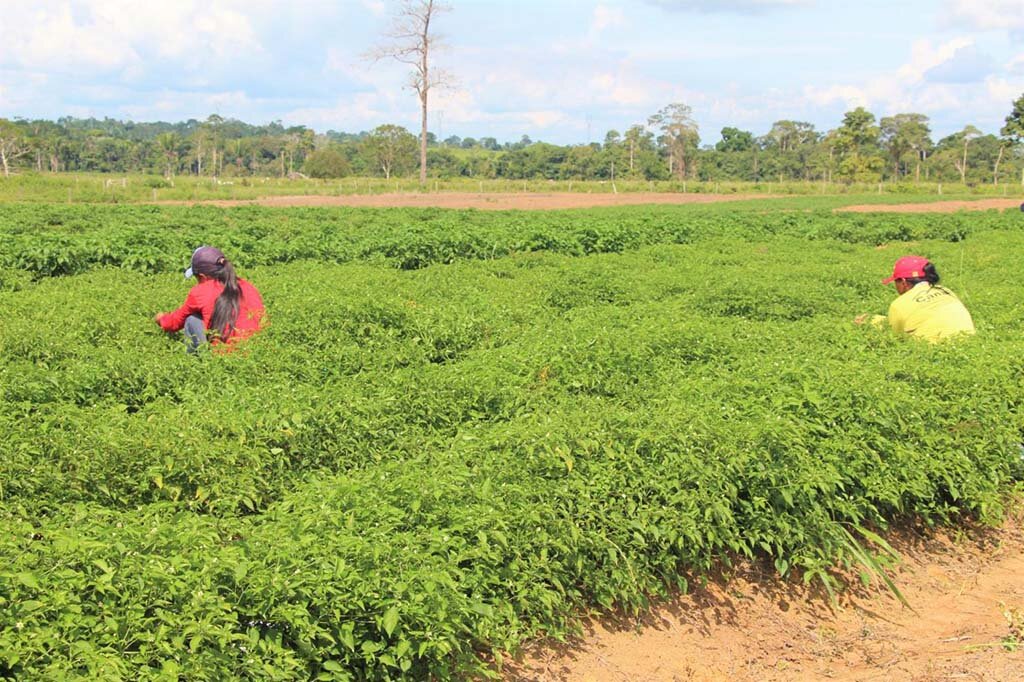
411, 470
326, 163
1013, 131
58, 240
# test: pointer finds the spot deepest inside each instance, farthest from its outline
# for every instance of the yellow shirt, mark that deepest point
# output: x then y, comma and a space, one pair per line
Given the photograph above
930, 312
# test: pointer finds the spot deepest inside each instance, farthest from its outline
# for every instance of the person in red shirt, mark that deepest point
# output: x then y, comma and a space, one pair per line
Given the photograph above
221, 307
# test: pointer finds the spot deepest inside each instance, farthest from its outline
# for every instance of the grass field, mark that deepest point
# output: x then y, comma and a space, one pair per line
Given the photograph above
109, 188
461, 431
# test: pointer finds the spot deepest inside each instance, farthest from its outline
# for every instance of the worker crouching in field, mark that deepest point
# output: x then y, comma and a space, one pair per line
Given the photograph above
220, 308
923, 309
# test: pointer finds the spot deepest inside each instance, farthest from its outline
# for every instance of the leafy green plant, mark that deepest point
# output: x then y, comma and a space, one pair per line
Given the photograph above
412, 471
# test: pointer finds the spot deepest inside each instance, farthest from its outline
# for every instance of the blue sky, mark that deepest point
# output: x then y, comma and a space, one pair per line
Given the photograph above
563, 71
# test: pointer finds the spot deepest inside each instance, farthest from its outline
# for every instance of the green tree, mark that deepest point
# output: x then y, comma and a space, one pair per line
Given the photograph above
735, 140
858, 130
538, 160
856, 142
637, 139
326, 163
297, 142
968, 134
903, 133
390, 149
13, 144
613, 153
788, 147
679, 135
582, 162
169, 145
1011, 134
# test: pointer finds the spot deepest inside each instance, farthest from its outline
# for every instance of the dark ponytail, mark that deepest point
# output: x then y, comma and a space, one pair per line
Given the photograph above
931, 275
225, 310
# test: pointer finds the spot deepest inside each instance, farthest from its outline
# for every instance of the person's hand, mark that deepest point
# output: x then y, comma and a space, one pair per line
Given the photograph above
156, 318
862, 318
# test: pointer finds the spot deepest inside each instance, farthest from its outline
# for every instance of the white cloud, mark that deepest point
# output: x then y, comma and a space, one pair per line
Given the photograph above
850, 95
381, 75
1015, 65
52, 38
361, 111
985, 15
182, 105
904, 89
375, 7
606, 17
924, 57
947, 81
76, 36
732, 6
624, 89
544, 119
1004, 90
967, 65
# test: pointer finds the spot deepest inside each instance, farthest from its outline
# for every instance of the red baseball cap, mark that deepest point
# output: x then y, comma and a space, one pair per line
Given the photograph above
908, 267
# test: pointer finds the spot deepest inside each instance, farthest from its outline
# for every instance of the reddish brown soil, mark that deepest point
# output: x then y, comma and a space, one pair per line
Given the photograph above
755, 627
936, 207
485, 201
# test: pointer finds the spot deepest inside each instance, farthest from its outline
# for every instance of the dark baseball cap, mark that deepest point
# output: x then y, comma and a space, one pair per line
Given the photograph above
205, 261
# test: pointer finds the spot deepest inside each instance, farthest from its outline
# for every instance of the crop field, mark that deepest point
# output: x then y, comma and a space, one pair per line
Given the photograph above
463, 430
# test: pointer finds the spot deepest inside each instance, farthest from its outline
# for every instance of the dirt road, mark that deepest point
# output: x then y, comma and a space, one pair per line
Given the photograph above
936, 207
485, 201
564, 200
755, 627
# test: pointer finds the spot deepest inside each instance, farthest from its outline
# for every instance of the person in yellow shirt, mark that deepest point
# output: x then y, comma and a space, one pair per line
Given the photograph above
924, 309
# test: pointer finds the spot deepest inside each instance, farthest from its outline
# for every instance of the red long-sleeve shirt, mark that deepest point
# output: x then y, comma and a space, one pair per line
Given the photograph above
201, 300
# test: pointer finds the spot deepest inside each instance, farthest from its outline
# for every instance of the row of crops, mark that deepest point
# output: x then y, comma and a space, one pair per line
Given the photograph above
413, 471
64, 240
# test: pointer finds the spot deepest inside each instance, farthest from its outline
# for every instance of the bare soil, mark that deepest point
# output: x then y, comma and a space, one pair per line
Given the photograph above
484, 201
936, 207
757, 627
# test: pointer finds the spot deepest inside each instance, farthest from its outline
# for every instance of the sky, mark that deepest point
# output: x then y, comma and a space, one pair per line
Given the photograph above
561, 71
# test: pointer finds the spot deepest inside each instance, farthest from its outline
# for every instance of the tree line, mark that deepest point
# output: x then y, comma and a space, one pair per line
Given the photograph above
666, 146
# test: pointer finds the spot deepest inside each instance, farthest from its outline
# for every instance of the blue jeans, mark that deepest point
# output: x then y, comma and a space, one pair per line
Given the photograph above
195, 333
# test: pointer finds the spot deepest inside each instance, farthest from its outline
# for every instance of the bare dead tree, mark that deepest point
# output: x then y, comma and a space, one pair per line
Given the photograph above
410, 41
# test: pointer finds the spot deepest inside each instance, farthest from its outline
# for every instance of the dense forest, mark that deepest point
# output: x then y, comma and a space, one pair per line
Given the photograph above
668, 145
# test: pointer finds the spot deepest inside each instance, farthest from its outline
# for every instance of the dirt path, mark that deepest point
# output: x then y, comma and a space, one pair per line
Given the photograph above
936, 207
757, 628
485, 201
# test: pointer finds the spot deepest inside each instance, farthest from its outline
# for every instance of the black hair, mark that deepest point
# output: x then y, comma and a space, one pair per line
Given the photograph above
931, 275
225, 310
